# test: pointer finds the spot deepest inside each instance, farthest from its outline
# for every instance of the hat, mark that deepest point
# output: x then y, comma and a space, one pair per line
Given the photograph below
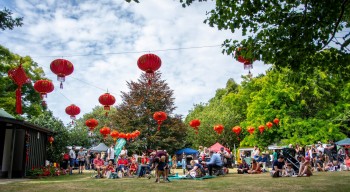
222, 148
263, 153
319, 142
307, 158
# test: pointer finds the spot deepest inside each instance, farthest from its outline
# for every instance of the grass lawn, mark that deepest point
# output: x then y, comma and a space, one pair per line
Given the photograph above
332, 181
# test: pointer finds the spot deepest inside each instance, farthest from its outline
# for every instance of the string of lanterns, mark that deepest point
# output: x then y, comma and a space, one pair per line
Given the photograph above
219, 128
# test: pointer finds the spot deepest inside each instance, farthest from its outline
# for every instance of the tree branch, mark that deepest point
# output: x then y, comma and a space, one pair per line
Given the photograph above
337, 23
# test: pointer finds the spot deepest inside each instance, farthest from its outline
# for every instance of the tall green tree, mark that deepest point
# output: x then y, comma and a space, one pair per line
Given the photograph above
61, 135
284, 33
136, 113
7, 21
79, 133
311, 107
31, 101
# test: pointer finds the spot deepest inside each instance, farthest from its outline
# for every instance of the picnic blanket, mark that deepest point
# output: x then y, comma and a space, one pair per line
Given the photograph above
178, 177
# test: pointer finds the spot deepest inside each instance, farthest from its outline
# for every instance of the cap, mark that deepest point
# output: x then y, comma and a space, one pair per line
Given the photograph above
222, 148
319, 142
307, 158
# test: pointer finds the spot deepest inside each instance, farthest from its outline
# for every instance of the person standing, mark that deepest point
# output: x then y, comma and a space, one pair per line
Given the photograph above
110, 154
88, 159
275, 155
183, 163
333, 153
72, 157
81, 160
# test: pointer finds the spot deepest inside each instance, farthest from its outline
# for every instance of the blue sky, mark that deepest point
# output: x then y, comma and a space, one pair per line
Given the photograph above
89, 33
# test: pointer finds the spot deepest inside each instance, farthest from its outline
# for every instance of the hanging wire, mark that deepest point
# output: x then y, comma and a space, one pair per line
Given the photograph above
129, 52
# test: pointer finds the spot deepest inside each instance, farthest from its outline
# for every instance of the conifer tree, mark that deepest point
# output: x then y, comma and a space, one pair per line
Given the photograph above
136, 113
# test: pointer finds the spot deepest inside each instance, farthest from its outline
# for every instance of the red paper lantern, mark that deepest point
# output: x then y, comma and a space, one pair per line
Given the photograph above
127, 136
72, 110
276, 121
19, 76
91, 123
114, 135
247, 63
137, 132
43, 87
218, 128
149, 63
261, 128
133, 135
61, 68
51, 140
269, 125
251, 129
159, 116
107, 100
195, 123
122, 135
105, 131
237, 130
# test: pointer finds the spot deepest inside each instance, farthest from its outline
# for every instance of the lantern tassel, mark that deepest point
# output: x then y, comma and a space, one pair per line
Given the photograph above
18, 100
159, 127
61, 85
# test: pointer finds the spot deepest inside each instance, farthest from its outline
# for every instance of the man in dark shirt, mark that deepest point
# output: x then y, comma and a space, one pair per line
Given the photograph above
333, 151
277, 167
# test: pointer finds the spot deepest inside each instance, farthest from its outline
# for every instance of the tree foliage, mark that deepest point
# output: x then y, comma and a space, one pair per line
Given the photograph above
311, 107
7, 21
136, 113
79, 133
284, 33
61, 135
31, 101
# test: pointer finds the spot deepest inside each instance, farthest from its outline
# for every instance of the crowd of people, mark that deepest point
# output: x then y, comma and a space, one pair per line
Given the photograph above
208, 162
297, 160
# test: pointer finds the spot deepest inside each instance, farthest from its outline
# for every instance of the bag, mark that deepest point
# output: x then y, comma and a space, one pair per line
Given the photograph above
65, 156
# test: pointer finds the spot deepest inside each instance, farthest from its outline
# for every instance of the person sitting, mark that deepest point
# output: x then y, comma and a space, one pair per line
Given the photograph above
328, 164
144, 165
133, 167
346, 166
110, 169
196, 171
289, 171
99, 166
262, 160
243, 167
123, 166
215, 162
319, 164
277, 167
305, 167
254, 167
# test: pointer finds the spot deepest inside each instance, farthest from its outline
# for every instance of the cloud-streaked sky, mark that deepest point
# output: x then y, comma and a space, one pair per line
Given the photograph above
104, 39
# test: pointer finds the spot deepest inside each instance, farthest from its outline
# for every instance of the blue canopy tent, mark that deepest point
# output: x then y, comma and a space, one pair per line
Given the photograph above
343, 142
191, 154
187, 151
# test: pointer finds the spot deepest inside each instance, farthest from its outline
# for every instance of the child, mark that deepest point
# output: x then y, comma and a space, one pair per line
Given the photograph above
160, 169
133, 167
110, 169
289, 171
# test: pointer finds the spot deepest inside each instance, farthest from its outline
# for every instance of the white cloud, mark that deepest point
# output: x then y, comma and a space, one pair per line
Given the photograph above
88, 33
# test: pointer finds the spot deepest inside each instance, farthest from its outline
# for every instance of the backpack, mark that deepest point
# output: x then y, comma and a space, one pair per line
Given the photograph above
65, 156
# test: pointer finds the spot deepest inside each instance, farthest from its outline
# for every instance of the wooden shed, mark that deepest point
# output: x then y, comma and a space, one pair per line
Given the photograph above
22, 146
